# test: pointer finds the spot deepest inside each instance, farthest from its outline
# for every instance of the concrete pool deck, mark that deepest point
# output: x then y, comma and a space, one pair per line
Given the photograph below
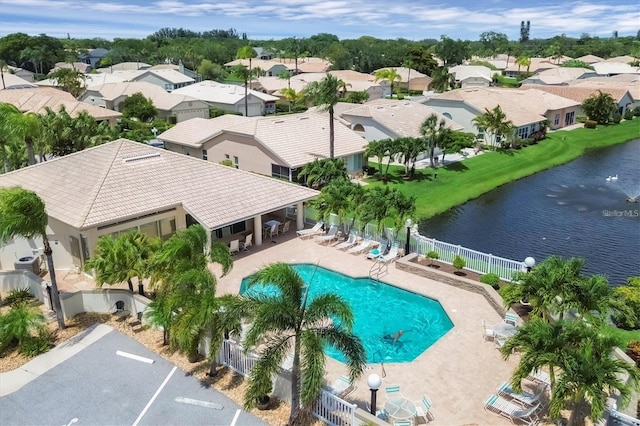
458, 372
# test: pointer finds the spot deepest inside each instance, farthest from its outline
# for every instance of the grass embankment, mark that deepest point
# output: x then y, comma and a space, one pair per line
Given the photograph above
459, 182
623, 337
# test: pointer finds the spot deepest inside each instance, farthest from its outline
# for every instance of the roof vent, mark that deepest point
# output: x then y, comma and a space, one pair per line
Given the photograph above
303, 118
139, 158
278, 121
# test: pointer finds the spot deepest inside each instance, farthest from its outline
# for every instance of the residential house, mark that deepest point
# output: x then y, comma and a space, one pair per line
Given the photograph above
93, 79
272, 146
12, 81
93, 56
311, 64
388, 119
472, 75
537, 65
78, 66
630, 82
264, 53
579, 94
19, 72
113, 95
125, 66
559, 76
528, 110
409, 79
590, 59
124, 185
609, 68
230, 97
625, 59
270, 68
39, 99
180, 68
168, 79
500, 61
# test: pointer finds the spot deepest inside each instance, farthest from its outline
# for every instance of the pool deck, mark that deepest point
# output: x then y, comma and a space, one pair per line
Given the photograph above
458, 372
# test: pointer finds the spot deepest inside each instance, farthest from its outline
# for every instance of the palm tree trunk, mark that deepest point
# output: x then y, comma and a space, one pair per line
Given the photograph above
331, 133
30, 153
130, 285
55, 295
295, 392
140, 287
5, 161
246, 99
575, 410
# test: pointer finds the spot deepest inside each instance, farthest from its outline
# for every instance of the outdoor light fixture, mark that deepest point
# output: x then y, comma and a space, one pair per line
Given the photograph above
529, 262
374, 381
406, 246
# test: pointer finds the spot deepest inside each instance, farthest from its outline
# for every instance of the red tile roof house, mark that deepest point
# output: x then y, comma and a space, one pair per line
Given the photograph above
124, 185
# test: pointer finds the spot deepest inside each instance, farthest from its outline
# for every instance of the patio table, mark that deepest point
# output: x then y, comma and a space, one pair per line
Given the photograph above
271, 223
400, 408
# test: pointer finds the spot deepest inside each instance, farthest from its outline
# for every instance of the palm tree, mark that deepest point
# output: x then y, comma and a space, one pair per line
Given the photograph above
289, 321
291, 96
334, 198
246, 74
441, 80
379, 149
342, 88
26, 128
286, 75
21, 323
590, 373
8, 116
23, 214
70, 79
523, 61
409, 149
432, 131
389, 74
325, 93
495, 121
122, 258
321, 172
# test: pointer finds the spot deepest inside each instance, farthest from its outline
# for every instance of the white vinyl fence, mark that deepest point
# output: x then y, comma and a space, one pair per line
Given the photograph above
329, 408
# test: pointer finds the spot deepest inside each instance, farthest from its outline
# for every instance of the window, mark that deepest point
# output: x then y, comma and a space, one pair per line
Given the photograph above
167, 228
150, 229
358, 128
568, 118
235, 161
523, 132
280, 172
204, 154
556, 120
226, 156
168, 86
236, 228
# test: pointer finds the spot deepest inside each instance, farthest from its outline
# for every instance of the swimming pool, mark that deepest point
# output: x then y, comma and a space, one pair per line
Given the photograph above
379, 309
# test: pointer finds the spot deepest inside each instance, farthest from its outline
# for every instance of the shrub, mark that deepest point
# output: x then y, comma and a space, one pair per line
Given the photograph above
628, 114
459, 262
590, 124
626, 301
491, 279
633, 350
509, 292
19, 324
581, 118
616, 117
433, 255
17, 296
636, 111
34, 345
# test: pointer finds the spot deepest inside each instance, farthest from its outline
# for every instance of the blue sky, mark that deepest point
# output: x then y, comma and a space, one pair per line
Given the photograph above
267, 19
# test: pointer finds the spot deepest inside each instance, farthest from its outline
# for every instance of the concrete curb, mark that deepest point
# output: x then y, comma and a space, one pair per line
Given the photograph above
16, 379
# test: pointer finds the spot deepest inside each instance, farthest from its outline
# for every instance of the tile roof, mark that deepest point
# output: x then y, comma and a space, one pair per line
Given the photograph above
536, 64
520, 106
161, 99
125, 66
296, 139
561, 75
610, 67
576, 93
630, 82
169, 75
463, 72
12, 81
212, 91
124, 179
37, 100
404, 118
625, 59
404, 73
590, 59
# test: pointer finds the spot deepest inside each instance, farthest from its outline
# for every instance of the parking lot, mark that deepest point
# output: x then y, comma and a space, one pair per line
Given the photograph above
117, 381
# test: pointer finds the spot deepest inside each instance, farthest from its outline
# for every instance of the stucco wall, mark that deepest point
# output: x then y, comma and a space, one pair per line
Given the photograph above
251, 156
460, 112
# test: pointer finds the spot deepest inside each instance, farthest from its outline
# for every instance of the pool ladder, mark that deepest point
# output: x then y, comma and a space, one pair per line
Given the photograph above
378, 269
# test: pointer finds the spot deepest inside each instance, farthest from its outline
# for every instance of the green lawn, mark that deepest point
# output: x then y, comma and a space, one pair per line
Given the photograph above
462, 181
622, 336
507, 81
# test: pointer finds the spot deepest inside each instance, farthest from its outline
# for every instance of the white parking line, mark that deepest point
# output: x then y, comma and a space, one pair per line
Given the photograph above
135, 357
199, 403
235, 418
155, 395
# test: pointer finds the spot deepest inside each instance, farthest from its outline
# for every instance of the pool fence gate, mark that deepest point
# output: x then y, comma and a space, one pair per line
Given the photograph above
329, 408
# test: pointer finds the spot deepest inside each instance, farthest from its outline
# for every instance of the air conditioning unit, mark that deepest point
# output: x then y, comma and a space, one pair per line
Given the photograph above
28, 263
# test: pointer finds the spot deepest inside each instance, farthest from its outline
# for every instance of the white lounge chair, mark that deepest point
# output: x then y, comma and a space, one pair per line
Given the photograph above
304, 233
512, 319
244, 245
523, 398
511, 411
540, 377
391, 256
342, 386
351, 241
488, 331
234, 246
331, 235
364, 245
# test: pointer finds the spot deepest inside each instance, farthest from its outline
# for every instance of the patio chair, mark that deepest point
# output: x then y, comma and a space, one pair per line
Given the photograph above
234, 247
382, 414
511, 319
523, 398
305, 233
364, 245
331, 235
342, 387
244, 245
403, 423
270, 232
285, 227
423, 408
391, 256
392, 391
511, 411
540, 377
350, 242
119, 311
488, 331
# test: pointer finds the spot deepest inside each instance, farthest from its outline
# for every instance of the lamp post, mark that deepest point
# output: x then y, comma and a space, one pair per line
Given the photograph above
406, 245
529, 262
374, 381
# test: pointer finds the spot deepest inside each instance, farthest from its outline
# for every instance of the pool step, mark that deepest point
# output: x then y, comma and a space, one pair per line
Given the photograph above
378, 270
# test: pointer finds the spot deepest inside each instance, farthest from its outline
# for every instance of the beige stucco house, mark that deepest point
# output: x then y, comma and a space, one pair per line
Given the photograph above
271, 146
12, 81
125, 185
472, 75
113, 95
629, 82
528, 110
409, 78
621, 95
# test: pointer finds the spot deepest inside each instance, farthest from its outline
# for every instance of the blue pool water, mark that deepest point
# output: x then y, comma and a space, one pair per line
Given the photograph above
379, 309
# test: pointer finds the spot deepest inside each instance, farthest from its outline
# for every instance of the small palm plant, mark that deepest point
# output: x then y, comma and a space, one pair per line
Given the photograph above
459, 263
